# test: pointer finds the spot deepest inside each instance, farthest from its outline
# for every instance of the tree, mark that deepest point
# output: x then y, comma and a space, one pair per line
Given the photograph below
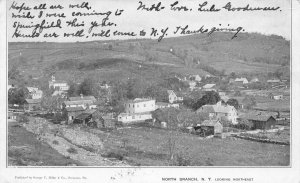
17, 95
210, 97
72, 89
233, 102
87, 86
14, 73
52, 104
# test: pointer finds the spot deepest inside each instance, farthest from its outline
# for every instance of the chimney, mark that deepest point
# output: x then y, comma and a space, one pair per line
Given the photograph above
53, 78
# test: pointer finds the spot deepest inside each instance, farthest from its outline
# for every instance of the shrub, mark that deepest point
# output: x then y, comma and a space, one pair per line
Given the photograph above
55, 142
116, 155
71, 150
182, 160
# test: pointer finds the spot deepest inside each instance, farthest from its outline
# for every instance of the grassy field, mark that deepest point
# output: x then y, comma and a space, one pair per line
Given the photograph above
149, 147
25, 150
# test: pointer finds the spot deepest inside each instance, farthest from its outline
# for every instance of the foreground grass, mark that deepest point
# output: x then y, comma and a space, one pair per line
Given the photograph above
25, 150
148, 147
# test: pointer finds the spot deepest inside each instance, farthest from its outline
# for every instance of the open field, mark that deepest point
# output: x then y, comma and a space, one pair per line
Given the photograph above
25, 150
148, 147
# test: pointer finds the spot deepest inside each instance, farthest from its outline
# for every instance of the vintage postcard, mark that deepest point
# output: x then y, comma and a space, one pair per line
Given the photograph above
149, 91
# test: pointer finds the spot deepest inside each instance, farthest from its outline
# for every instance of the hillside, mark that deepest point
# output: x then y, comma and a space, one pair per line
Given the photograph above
115, 60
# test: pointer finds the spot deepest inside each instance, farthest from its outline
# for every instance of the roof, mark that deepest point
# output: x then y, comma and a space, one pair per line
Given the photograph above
208, 86
209, 123
73, 109
273, 81
216, 108
137, 100
90, 111
241, 79
257, 116
83, 116
225, 98
82, 98
78, 102
33, 101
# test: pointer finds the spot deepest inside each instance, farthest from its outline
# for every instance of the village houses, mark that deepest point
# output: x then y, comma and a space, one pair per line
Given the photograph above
220, 111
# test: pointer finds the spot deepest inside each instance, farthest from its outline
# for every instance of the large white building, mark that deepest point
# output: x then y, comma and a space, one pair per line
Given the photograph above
58, 85
139, 105
136, 110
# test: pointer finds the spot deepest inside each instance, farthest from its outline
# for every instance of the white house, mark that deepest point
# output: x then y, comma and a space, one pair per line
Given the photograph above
254, 80
58, 85
192, 85
139, 105
173, 97
241, 80
35, 93
136, 110
219, 111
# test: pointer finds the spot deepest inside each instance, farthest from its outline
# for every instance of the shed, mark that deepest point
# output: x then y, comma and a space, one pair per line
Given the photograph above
210, 127
263, 122
32, 104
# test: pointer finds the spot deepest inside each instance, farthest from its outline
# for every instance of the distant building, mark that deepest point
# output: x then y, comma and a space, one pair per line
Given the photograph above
86, 102
275, 96
209, 87
196, 78
273, 81
192, 85
35, 93
254, 80
173, 97
137, 110
219, 111
139, 105
32, 104
134, 117
241, 81
58, 85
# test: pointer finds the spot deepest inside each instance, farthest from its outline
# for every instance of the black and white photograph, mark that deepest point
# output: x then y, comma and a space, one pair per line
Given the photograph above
143, 84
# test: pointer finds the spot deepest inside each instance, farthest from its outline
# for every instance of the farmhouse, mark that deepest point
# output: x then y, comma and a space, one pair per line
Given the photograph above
241, 81
32, 104
219, 111
261, 121
173, 97
58, 85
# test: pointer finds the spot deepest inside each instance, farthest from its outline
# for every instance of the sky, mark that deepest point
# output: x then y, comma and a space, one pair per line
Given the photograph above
131, 19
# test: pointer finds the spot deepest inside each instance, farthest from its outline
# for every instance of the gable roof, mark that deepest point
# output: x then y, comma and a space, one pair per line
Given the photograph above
209, 123
33, 101
207, 86
78, 102
257, 116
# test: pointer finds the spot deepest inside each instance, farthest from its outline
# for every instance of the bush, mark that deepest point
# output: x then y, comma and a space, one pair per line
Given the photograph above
55, 142
72, 151
182, 160
23, 119
116, 155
